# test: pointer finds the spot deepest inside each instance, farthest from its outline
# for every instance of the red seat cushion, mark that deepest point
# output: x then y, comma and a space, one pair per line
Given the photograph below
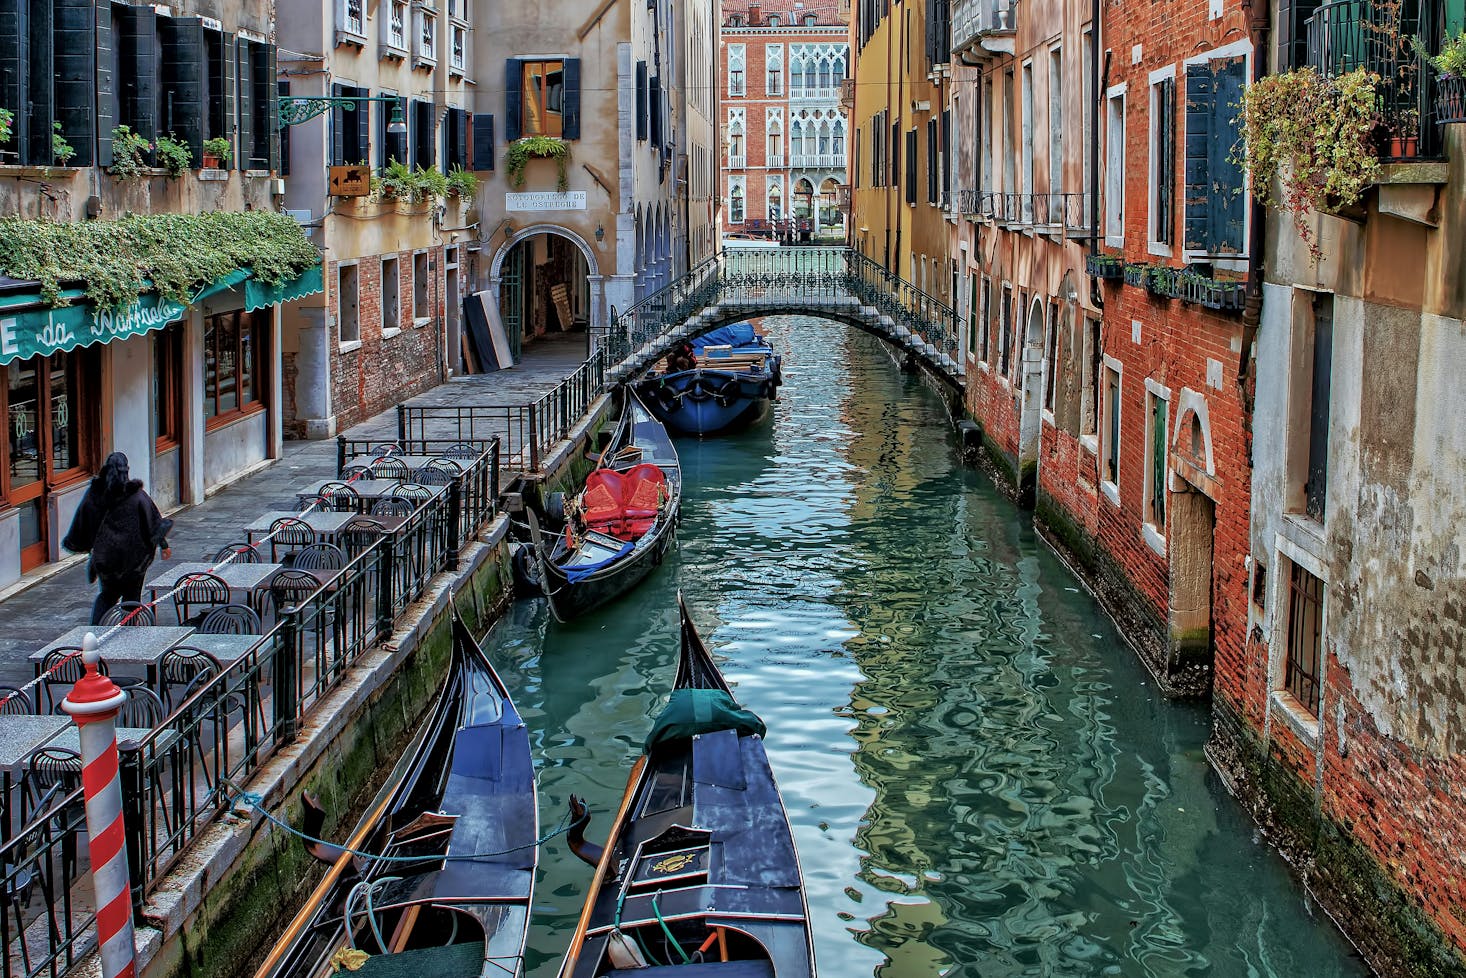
623, 504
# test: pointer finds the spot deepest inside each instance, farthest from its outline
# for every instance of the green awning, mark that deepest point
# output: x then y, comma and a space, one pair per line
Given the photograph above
30, 328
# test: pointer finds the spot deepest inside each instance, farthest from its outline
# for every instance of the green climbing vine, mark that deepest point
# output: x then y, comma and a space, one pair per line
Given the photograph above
115, 260
521, 151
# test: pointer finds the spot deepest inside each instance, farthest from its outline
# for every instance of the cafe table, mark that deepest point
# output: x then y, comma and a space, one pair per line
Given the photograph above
21, 735
127, 645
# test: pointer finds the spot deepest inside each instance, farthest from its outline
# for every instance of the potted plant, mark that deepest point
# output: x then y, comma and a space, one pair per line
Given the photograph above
521, 151
462, 184
396, 183
129, 149
431, 182
1450, 67
61, 149
1135, 273
173, 155
7, 125
217, 152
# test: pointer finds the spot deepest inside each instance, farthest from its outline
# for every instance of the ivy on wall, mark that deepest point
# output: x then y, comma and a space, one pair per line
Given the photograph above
113, 261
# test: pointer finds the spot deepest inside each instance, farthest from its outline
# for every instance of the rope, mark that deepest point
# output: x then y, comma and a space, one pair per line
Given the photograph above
253, 800
159, 599
667, 930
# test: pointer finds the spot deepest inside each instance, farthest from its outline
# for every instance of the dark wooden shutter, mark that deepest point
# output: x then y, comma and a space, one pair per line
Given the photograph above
1165, 199
76, 76
654, 89
269, 94
570, 119
219, 48
641, 106
182, 40
363, 128
931, 161
15, 37
137, 84
911, 166
283, 91
423, 135
946, 145
244, 84
483, 142
1200, 104
106, 98
513, 98
1228, 205
894, 148
36, 147
338, 127
394, 145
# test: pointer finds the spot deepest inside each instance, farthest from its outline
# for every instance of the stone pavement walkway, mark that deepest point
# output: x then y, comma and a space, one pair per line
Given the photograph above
36, 615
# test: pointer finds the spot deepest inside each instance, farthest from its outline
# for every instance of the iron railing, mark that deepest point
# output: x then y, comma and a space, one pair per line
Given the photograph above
927, 317
1376, 35
1066, 211
651, 317
44, 931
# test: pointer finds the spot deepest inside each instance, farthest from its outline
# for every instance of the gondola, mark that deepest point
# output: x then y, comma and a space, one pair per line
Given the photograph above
619, 526
418, 904
699, 875
722, 381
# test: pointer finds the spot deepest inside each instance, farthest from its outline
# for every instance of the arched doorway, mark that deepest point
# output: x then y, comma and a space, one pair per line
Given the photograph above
546, 282
830, 217
1030, 374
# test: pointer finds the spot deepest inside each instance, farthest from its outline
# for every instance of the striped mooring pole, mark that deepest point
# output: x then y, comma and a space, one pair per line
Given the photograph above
93, 703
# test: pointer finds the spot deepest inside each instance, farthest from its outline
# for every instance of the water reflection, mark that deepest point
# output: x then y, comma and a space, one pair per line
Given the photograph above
980, 779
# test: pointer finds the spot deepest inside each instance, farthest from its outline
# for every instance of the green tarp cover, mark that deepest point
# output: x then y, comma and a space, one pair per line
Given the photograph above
699, 711
29, 328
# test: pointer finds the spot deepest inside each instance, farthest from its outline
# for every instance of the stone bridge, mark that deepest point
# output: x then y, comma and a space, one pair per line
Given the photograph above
834, 283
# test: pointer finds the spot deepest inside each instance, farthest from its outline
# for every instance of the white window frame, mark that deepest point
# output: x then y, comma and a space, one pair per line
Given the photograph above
1154, 533
391, 324
1237, 262
343, 342
738, 61
1056, 121
1154, 246
1027, 140
424, 22
458, 52
1111, 487
394, 45
354, 30
774, 62
740, 184
422, 289
1115, 166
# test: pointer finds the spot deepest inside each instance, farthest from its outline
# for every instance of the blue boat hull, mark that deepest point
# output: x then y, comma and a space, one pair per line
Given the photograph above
709, 402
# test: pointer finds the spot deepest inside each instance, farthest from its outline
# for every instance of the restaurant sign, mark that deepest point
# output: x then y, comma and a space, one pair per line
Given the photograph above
545, 200
38, 332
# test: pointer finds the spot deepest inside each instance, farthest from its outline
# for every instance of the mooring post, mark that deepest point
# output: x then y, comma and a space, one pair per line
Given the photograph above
93, 703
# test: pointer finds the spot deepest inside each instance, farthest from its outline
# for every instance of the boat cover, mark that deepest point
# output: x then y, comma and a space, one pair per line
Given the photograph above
698, 711
736, 335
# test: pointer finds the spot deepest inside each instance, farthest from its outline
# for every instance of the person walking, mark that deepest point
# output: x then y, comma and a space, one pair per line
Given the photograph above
120, 526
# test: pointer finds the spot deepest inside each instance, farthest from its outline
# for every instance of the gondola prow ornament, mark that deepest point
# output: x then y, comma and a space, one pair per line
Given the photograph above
93, 703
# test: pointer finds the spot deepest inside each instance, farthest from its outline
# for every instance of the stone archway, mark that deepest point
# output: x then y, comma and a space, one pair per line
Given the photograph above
1191, 545
593, 283
1030, 373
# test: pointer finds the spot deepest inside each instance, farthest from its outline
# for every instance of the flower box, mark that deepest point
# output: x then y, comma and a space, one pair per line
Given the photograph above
1106, 267
1135, 273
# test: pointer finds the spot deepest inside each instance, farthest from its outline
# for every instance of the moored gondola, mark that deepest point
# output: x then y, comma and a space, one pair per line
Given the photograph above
720, 382
699, 875
619, 526
439, 873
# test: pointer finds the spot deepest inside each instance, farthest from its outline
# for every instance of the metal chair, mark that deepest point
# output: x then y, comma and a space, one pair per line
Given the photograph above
339, 497
196, 594
358, 535
438, 472
238, 553
393, 506
356, 472
288, 534
413, 491
289, 587
130, 613
183, 666
63, 667
389, 468
231, 619
47, 768
15, 701
387, 448
319, 556
143, 709
462, 450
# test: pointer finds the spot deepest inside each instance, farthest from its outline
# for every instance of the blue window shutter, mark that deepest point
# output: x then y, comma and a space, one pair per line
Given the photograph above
1165, 197
513, 98
1200, 111
1228, 205
483, 142
641, 107
570, 120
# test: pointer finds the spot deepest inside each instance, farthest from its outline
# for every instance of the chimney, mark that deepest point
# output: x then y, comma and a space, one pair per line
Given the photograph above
754, 12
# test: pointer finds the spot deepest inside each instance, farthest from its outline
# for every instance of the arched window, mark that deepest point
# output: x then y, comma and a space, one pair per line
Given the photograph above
837, 135
796, 75
826, 78
824, 149
776, 202
735, 204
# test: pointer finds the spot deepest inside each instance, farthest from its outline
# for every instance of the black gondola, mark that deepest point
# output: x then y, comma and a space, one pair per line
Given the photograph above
465, 788
619, 526
699, 875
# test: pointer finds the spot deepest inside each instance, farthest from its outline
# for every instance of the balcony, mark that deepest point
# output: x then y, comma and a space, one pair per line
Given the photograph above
1375, 35
847, 95
737, 162
814, 93
983, 29
1065, 214
774, 161
817, 161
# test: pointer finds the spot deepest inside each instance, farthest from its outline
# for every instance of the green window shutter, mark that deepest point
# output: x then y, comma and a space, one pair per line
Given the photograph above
244, 85
15, 37
137, 84
1158, 461
641, 106
570, 120
1200, 110
513, 98
1227, 203
35, 140
283, 91
338, 127
106, 81
184, 70
268, 93
75, 42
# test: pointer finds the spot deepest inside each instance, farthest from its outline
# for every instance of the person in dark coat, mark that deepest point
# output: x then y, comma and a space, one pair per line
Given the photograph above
120, 526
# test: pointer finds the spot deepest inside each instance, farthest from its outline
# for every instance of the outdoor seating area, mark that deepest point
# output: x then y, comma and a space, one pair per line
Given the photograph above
220, 660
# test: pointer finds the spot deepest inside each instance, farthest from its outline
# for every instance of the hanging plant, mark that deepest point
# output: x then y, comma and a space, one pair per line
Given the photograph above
7, 124
1314, 137
173, 155
521, 151
462, 184
128, 153
114, 261
61, 148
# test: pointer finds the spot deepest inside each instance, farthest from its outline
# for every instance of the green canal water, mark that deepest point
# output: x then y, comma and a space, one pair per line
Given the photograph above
981, 778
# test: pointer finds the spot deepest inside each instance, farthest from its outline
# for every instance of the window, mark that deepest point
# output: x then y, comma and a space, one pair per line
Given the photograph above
985, 322
1301, 672
458, 9
972, 320
457, 47
391, 295
1111, 472
257, 105
393, 146
455, 139
1056, 124
1028, 137
1155, 473
776, 198
933, 177
1051, 357
1090, 379
984, 129
774, 139
1005, 334
397, 26
1086, 85
735, 201
736, 158
1007, 147
350, 128
911, 166
424, 142
167, 386
737, 64
1115, 170
233, 356
1162, 160
773, 21
353, 19
422, 309
348, 304
427, 37
1312, 370
543, 98
774, 64
1216, 208
809, 20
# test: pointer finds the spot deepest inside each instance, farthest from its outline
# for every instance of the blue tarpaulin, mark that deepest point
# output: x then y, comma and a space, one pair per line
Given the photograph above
736, 335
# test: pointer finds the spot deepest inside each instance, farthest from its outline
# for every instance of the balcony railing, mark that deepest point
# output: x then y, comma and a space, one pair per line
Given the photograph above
774, 161
1349, 34
822, 161
1066, 212
737, 162
824, 93
972, 19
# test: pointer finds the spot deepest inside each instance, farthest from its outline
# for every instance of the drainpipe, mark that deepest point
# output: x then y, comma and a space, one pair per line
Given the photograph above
1096, 293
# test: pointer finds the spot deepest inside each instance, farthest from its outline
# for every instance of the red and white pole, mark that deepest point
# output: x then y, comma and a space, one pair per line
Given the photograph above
93, 703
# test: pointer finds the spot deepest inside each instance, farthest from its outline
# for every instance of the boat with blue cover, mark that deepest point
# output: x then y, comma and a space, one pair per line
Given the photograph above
699, 875
607, 538
722, 381
437, 878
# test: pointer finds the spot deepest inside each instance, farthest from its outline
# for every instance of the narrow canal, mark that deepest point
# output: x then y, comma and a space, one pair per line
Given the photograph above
981, 778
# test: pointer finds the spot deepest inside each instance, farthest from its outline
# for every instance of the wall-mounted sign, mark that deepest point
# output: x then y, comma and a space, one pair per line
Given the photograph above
351, 181
571, 200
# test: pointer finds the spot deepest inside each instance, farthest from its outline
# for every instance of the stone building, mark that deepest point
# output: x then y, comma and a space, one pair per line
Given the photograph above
190, 392
389, 323
785, 132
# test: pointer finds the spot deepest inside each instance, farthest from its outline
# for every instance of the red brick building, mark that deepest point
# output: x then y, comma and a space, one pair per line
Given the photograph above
784, 133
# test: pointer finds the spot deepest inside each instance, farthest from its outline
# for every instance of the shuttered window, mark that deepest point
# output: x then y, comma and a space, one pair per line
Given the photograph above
392, 146
654, 87
422, 135
641, 101
542, 98
48, 74
1215, 205
483, 142
931, 161
1163, 152
256, 105
76, 76
455, 140
184, 68
911, 167
350, 128
284, 92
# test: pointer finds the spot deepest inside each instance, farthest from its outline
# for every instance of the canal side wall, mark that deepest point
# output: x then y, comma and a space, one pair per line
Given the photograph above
223, 906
